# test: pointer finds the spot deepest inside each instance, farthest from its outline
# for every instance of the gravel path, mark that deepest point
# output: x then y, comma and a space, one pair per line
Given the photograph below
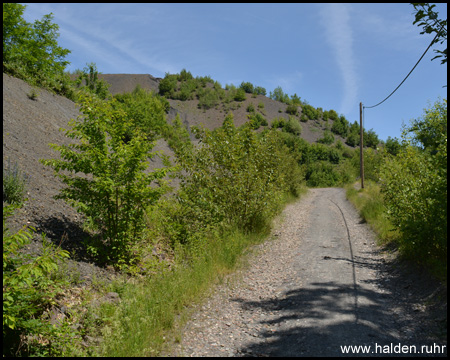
315, 287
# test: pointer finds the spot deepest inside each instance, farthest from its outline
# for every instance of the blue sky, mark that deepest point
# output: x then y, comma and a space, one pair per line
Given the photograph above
332, 55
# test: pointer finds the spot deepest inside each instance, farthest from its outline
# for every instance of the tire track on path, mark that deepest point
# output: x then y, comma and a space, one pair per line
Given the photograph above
314, 288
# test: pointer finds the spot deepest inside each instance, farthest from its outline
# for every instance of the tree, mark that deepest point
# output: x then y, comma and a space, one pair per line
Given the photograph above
340, 126
371, 139
259, 91
105, 178
92, 83
15, 29
392, 145
279, 95
32, 50
425, 16
247, 86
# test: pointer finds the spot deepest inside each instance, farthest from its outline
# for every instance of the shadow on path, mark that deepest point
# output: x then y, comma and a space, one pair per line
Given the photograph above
318, 320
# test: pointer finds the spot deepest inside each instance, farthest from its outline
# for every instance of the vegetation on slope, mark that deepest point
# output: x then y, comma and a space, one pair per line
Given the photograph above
233, 184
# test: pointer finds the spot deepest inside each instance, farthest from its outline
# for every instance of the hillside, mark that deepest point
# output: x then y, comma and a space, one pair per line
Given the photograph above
30, 125
212, 118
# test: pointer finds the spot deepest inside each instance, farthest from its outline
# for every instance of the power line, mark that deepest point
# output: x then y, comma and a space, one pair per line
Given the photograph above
432, 42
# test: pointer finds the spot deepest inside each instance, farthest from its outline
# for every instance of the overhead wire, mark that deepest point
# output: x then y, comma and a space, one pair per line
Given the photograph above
432, 42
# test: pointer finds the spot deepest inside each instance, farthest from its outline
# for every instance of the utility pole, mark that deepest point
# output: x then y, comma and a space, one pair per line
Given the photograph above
361, 145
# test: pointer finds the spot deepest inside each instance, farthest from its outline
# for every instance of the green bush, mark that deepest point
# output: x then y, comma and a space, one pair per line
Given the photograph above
278, 123
327, 138
292, 109
333, 116
235, 177
168, 85
279, 95
185, 75
14, 182
31, 51
208, 98
392, 145
240, 95
247, 87
310, 112
145, 110
259, 91
28, 291
340, 126
322, 174
370, 139
414, 185
293, 126
117, 191
92, 83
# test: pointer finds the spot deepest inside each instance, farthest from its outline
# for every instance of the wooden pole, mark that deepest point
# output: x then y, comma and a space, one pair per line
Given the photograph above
361, 146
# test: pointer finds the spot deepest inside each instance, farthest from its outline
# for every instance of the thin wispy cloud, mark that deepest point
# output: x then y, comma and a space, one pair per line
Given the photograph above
335, 19
391, 31
106, 40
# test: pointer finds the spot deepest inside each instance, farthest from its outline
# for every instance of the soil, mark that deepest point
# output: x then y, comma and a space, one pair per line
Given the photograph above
291, 301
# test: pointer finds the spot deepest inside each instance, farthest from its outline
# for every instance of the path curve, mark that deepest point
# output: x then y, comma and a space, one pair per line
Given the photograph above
314, 288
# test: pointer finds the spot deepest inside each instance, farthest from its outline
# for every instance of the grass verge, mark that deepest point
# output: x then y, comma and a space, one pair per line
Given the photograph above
369, 203
153, 310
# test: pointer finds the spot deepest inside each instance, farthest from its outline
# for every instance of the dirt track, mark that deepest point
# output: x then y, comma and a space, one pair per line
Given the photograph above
321, 284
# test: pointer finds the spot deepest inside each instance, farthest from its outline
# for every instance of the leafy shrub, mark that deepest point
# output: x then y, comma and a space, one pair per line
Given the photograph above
236, 176
208, 98
92, 83
247, 87
322, 174
259, 91
185, 75
303, 118
167, 86
278, 123
293, 126
28, 291
414, 185
332, 115
292, 109
310, 112
14, 182
240, 95
187, 90
251, 108
33, 94
392, 145
279, 95
353, 139
327, 138
257, 120
177, 134
295, 100
117, 191
145, 111
370, 139
340, 126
